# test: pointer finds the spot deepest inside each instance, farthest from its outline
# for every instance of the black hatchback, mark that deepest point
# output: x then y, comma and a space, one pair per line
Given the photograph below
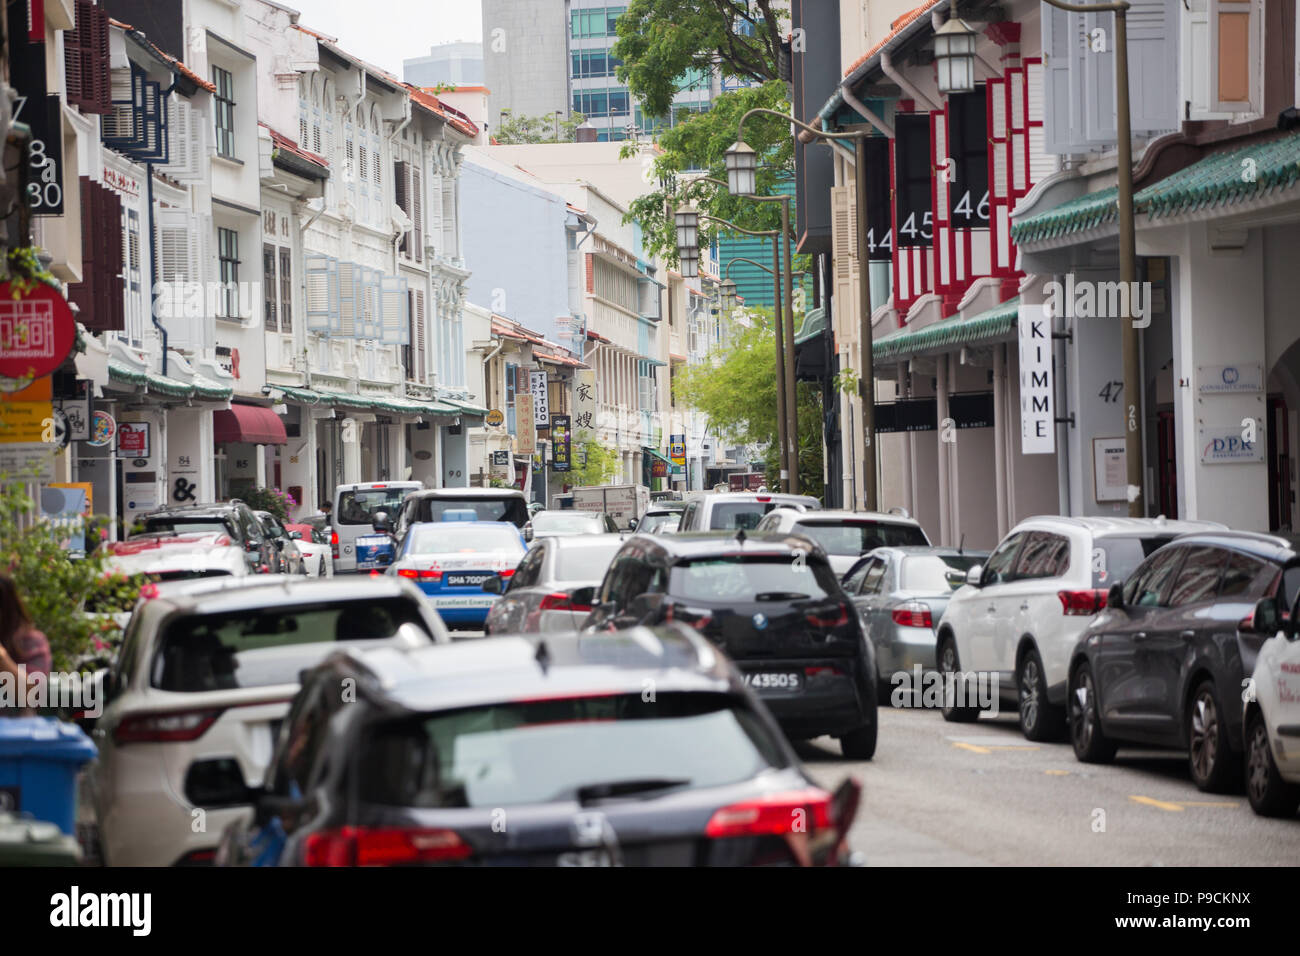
772, 603
1168, 662
638, 748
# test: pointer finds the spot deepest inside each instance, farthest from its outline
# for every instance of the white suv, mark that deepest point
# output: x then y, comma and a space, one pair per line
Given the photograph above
1021, 612
1272, 712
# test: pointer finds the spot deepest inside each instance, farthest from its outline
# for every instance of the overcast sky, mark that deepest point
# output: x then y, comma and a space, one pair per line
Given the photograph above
386, 32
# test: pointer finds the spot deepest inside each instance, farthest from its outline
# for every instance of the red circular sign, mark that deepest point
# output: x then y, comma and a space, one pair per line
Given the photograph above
36, 332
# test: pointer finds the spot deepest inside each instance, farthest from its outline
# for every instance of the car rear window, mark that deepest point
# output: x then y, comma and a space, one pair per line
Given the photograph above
751, 578
859, 537
573, 749
567, 521
514, 510
189, 525
585, 564
1114, 558
260, 647
456, 537
359, 507
929, 572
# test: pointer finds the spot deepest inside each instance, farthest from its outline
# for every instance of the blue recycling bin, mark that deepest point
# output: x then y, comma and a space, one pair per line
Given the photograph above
40, 758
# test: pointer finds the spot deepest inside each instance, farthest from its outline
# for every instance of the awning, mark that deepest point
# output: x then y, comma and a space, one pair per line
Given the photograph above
202, 388
466, 408
654, 454
253, 424
394, 403
814, 326
995, 325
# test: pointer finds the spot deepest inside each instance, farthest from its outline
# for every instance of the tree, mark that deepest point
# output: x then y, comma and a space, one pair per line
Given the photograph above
736, 390
602, 462
661, 44
516, 131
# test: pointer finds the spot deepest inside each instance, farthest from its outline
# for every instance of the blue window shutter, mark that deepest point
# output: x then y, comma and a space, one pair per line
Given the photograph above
1098, 78
1059, 136
1153, 45
322, 306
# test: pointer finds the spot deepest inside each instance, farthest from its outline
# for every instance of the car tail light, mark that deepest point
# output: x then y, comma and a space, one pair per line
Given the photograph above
828, 619
815, 671
1084, 603
913, 614
174, 727
698, 618
198, 858
383, 846
334, 543
508, 572
763, 498
560, 601
250, 546
420, 574
795, 811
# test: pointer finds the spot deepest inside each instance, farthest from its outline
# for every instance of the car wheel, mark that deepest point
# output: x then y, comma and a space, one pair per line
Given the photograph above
860, 744
949, 668
1039, 718
1270, 795
1209, 755
1091, 745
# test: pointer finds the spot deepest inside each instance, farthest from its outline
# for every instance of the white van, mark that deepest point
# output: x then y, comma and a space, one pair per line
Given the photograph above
354, 509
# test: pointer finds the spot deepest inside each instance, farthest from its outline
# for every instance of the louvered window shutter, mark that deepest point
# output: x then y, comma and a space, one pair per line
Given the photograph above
417, 212
394, 309
322, 278
83, 293
1153, 53
402, 199
112, 262
97, 65
348, 299
75, 83
449, 218
180, 268
421, 349
1058, 48
435, 216
1094, 97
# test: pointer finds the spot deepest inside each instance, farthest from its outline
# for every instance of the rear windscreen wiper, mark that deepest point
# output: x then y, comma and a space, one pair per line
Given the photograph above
621, 788
781, 596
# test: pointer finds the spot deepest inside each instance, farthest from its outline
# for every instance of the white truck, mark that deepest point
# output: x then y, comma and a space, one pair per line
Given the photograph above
623, 503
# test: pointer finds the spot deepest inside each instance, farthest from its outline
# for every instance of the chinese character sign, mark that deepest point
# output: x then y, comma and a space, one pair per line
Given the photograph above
584, 399
525, 429
541, 399
561, 443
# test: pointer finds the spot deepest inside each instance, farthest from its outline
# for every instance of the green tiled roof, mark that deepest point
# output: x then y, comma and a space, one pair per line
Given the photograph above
1222, 179
991, 326
394, 403
814, 324
466, 408
163, 385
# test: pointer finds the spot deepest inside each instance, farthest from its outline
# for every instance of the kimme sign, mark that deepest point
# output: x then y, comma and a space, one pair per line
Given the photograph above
1037, 427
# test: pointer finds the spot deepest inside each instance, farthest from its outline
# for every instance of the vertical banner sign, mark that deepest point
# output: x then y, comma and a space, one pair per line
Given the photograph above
913, 175
561, 443
525, 428
541, 399
584, 399
37, 107
1037, 424
677, 452
968, 148
880, 236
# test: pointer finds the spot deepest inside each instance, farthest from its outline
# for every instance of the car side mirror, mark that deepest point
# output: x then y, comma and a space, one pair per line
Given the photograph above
1266, 620
583, 597
528, 531
295, 535
645, 608
381, 522
975, 575
1115, 596
631, 525
494, 585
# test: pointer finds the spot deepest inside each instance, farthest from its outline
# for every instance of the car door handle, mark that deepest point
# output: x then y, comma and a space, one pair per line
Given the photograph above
1187, 634
1024, 606
1139, 637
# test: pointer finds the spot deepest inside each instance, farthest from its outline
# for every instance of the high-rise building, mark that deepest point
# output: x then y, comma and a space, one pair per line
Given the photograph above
459, 63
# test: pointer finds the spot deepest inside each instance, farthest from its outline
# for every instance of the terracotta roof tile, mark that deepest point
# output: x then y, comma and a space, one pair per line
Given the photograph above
284, 142
896, 28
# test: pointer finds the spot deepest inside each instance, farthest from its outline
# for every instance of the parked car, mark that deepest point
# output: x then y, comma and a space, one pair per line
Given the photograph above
194, 700
450, 560
772, 603
728, 511
539, 752
553, 586
660, 516
1026, 607
901, 594
314, 546
488, 504
290, 556
233, 518
546, 524
352, 517
167, 556
846, 535
1169, 660
1271, 720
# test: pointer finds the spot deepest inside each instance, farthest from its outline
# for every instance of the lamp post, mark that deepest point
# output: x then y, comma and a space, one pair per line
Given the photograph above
951, 52
742, 167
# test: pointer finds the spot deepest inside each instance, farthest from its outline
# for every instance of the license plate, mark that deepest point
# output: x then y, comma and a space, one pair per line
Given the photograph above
585, 858
372, 541
465, 580
778, 681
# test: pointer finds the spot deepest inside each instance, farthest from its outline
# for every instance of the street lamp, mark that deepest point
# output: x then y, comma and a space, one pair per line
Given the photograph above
727, 290
954, 56
688, 241
742, 166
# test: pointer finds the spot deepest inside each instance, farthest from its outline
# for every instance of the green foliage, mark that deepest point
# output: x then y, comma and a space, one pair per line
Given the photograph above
59, 591
278, 502
602, 465
848, 381
516, 131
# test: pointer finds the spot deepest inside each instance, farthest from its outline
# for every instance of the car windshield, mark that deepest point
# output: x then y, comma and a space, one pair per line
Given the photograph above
359, 506
1114, 558
511, 509
548, 521
461, 536
929, 572
584, 564
188, 524
261, 646
858, 537
749, 578
656, 520
565, 750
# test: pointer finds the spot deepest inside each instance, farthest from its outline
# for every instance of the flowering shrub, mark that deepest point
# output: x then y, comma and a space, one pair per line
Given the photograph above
279, 503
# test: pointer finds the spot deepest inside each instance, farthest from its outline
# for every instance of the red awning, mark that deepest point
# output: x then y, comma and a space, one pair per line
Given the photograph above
248, 423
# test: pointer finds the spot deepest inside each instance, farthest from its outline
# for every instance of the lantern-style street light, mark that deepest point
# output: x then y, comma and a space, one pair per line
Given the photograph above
742, 167
954, 56
727, 291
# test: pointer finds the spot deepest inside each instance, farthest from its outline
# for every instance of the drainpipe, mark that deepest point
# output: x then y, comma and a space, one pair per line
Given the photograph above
846, 91
392, 138
887, 65
153, 272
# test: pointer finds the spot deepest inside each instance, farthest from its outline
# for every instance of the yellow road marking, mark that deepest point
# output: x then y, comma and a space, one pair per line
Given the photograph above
1057, 773
1222, 804
1160, 804
1180, 805
972, 748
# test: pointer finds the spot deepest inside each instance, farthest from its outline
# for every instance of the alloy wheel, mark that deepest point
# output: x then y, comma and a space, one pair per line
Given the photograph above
1083, 711
1257, 764
1204, 735
1029, 703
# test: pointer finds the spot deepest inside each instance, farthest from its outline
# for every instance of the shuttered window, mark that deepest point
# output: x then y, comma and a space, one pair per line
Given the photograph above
269, 287
401, 196
286, 289
224, 113
85, 59
101, 295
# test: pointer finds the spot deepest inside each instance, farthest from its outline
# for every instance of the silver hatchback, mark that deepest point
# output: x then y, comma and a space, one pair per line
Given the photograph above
552, 588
